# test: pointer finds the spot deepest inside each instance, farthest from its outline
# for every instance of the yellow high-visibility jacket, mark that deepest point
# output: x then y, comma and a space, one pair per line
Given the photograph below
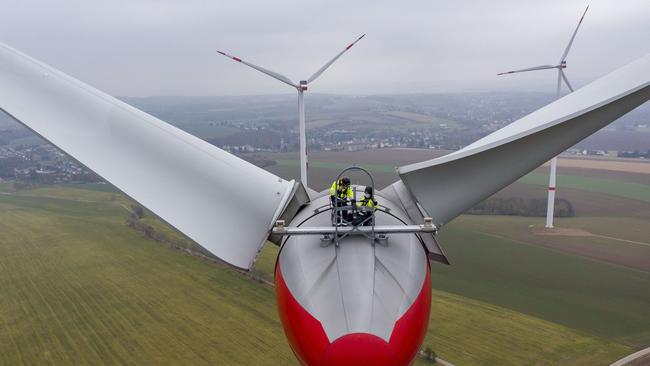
371, 202
336, 192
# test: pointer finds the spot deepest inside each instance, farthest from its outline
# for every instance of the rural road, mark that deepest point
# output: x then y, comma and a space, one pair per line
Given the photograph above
632, 357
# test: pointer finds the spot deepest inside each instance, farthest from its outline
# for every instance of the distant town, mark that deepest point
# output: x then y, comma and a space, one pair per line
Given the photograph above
334, 122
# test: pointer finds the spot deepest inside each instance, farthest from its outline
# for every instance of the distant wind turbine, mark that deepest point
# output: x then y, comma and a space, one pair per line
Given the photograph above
301, 87
560, 77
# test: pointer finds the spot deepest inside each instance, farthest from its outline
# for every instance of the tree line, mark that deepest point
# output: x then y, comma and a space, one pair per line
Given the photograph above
517, 206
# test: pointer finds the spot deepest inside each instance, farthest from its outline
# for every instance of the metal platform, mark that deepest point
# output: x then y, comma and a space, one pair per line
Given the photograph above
349, 218
280, 229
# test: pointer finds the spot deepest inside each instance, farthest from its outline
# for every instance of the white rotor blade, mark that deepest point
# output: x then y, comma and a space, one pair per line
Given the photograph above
223, 203
543, 67
573, 36
447, 186
270, 73
566, 80
322, 69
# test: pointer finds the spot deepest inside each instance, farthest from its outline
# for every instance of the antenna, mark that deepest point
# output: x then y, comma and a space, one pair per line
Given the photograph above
561, 76
301, 87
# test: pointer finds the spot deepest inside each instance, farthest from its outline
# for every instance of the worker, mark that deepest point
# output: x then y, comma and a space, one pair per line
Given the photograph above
370, 203
341, 189
340, 194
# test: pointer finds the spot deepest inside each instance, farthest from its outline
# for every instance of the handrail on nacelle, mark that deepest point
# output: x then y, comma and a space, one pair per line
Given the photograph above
351, 219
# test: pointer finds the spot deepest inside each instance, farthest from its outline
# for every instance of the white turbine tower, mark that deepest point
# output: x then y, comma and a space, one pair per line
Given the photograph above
560, 77
301, 87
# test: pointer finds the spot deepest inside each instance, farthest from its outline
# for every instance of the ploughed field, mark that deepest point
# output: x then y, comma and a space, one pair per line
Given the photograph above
79, 286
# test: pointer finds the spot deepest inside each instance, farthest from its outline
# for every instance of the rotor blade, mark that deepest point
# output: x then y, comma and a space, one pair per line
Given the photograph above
559, 82
223, 203
543, 67
566, 80
447, 186
270, 73
322, 69
573, 36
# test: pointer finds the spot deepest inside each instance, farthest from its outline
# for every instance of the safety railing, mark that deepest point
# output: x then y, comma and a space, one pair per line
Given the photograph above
350, 217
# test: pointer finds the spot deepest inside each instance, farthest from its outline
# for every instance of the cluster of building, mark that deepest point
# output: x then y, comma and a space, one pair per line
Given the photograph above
611, 153
42, 164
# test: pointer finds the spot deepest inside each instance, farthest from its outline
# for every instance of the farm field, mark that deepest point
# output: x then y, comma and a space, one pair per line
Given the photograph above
632, 190
599, 298
585, 203
612, 164
325, 166
592, 192
614, 240
78, 286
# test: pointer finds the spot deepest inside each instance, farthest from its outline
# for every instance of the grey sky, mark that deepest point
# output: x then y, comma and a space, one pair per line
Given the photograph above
141, 48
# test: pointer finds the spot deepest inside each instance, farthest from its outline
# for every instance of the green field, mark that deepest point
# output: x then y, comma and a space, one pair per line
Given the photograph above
471, 332
595, 297
631, 190
77, 286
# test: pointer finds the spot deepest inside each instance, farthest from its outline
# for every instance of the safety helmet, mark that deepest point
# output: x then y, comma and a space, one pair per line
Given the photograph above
368, 192
345, 181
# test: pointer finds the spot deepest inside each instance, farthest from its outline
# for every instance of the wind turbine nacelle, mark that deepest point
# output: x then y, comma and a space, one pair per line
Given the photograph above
303, 85
563, 64
357, 303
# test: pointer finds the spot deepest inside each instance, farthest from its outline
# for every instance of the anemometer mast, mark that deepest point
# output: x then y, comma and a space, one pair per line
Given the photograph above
301, 87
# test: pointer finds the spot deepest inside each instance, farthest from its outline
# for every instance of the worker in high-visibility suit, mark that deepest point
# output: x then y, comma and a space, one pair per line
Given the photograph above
341, 195
370, 203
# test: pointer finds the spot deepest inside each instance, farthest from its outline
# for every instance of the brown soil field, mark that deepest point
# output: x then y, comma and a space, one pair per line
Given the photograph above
322, 178
403, 156
392, 157
600, 173
614, 164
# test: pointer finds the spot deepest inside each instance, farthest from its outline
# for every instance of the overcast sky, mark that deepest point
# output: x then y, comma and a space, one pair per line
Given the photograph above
142, 48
